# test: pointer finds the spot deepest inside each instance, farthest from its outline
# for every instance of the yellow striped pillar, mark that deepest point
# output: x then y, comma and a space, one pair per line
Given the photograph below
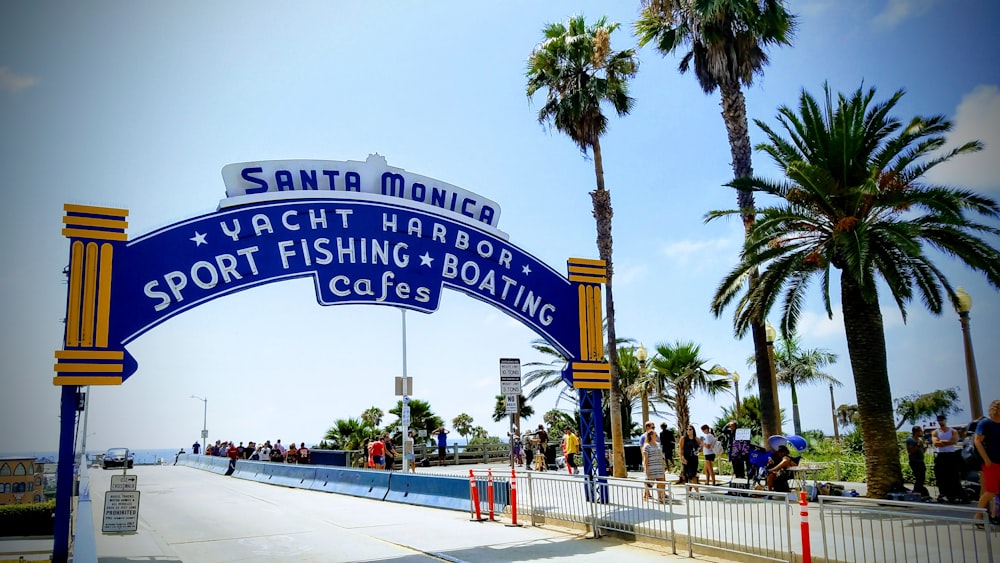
87, 358
588, 278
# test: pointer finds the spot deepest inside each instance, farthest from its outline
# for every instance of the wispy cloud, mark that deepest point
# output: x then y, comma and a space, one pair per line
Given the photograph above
977, 117
12, 82
898, 10
694, 252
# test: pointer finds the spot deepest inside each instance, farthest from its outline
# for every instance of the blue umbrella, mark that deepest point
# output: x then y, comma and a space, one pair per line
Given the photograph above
799, 442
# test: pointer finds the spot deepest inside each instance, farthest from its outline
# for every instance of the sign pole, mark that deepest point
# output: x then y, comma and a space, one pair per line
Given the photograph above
404, 411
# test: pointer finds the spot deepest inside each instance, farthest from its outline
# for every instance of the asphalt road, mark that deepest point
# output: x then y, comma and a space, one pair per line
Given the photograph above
191, 515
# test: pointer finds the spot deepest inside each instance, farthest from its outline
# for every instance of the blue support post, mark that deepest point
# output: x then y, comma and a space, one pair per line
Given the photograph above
595, 463
64, 474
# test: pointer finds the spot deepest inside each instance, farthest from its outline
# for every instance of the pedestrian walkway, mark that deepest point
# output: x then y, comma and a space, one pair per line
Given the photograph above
187, 514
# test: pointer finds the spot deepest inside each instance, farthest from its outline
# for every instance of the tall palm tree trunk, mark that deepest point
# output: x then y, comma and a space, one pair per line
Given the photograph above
734, 114
601, 199
796, 422
866, 347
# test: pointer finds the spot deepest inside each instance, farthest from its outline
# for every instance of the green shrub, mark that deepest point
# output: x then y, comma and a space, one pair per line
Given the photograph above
27, 519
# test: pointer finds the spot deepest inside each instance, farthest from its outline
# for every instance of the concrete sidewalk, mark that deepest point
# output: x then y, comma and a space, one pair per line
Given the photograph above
187, 514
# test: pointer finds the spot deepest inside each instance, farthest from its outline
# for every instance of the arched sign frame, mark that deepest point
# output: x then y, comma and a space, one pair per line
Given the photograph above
359, 248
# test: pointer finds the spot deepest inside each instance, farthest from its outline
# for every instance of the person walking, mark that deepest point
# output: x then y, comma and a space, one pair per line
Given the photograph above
667, 444
572, 442
689, 447
654, 466
987, 442
708, 441
947, 462
233, 453
915, 448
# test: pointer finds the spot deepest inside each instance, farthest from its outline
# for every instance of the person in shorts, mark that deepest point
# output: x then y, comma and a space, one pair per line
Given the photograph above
442, 439
409, 461
987, 441
572, 449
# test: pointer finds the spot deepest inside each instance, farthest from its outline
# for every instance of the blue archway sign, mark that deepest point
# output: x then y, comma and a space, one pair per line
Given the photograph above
375, 245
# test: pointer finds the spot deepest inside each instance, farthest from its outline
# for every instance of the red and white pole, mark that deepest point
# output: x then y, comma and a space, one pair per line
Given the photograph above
804, 513
474, 497
489, 491
513, 497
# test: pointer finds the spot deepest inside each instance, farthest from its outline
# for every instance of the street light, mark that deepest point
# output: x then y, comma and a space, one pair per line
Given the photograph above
640, 354
204, 423
736, 385
833, 410
770, 334
962, 306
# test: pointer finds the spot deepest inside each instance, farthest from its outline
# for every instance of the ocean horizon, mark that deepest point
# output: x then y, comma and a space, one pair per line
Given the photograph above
144, 456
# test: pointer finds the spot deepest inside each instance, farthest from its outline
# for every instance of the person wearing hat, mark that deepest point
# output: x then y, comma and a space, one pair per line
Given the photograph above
947, 462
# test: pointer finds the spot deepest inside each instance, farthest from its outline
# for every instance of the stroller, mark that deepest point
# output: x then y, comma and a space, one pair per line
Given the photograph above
757, 475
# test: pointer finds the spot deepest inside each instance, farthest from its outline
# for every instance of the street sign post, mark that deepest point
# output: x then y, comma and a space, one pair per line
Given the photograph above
124, 482
121, 511
510, 376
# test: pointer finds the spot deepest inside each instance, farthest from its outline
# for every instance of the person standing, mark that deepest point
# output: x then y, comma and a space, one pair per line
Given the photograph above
377, 453
233, 453
667, 445
442, 438
572, 449
915, 448
409, 459
390, 453
947, 462
653, 464
987, 442
196, 447
543, 448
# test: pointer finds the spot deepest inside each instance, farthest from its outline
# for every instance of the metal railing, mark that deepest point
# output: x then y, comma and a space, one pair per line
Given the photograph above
744, 521
867, 530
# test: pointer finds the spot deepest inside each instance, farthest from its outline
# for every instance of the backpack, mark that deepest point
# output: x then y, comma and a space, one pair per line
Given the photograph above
970, 455
717, 448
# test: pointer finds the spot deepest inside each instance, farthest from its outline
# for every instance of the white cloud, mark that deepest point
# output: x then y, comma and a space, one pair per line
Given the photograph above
12, 82
977, 117
687, 251
898, 10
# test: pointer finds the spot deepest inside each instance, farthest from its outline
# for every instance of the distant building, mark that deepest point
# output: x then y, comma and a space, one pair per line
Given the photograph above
21, 480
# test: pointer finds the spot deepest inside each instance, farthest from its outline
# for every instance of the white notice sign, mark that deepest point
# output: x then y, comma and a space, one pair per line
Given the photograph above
742, 434
121, 511
511, 404
124, 482
510, 376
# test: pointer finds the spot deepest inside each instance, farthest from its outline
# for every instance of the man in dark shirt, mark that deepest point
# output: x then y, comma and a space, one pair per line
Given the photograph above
667, 444
915, 447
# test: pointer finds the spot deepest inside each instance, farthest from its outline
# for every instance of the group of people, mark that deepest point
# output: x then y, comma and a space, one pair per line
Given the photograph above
531, 452
253, 451
658, 451
949, 466
381, 453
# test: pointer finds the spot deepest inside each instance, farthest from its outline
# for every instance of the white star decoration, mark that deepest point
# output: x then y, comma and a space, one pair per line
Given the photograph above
198, 239
526, 269
425, 259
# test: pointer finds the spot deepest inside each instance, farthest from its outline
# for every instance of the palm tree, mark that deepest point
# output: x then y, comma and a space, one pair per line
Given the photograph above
500, 408
348, 434
421, 417
577, 67
855, 199
372, 416
682, 368
462, 424
795, 367
726, 40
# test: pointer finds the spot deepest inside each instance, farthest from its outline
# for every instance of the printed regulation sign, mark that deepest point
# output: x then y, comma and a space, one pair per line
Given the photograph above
510, 376
121, 511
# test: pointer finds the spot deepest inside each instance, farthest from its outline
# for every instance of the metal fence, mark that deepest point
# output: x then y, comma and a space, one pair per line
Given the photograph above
864, 530
753, 524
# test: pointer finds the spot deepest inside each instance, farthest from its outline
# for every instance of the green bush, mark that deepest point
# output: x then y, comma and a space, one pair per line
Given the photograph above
27, 519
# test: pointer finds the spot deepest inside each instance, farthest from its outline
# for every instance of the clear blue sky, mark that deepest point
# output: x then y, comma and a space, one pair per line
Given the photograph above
140, 105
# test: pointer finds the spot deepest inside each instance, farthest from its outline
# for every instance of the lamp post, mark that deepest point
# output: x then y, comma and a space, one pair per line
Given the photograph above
833, 410
963, 305
640, 354
736, 385
204, 423
770, 334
